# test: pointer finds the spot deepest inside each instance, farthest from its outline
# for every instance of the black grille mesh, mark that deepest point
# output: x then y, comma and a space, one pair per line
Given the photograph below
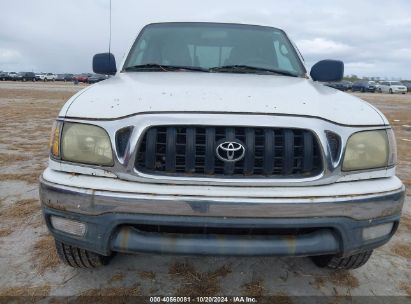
122, 139
191, 151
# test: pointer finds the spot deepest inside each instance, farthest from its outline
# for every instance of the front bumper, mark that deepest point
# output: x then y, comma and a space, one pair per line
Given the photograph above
320, 224
399, 90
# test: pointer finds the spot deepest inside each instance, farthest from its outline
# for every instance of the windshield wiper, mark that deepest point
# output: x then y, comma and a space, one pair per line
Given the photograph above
225, 68
247, 69
163, 68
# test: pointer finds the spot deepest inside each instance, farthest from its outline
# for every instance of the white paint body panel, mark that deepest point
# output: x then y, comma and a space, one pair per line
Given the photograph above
139, 92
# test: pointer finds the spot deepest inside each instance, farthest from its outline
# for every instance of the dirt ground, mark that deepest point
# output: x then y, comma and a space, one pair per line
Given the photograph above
29, 265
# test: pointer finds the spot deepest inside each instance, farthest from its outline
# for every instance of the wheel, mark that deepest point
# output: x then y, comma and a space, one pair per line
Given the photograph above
390, 91
362, 90
379, 90
335, 262
80, 258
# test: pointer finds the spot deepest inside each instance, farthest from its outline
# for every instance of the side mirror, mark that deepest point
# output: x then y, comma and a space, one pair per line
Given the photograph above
105, 64
327, 70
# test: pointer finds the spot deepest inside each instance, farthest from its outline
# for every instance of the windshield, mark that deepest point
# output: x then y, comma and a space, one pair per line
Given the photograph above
211, 45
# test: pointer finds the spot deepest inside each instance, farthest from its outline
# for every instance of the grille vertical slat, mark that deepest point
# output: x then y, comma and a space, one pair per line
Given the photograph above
308, 152
250, 151
288, 151
171, 142
190, 155
269, 149
192, 151
229, 166
151, 141
210, 151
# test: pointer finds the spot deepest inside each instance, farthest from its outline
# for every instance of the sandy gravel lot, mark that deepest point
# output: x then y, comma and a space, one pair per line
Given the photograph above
29, 265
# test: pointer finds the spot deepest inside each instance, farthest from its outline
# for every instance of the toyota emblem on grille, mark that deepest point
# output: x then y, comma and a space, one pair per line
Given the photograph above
230, 151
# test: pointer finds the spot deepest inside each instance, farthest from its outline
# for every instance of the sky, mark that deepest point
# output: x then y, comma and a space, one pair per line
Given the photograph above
372, 37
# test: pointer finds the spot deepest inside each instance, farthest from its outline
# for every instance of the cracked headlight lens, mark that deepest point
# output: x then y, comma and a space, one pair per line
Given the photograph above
367, 150
87, 144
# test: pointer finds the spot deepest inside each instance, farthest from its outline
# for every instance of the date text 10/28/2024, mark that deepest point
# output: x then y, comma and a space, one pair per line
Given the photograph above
238, 299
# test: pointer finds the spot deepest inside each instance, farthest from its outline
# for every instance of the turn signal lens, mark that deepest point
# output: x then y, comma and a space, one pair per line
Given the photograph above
392, 158
55, 139
378, 231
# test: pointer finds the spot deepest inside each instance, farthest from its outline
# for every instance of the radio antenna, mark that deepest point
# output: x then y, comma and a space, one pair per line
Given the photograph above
109, 40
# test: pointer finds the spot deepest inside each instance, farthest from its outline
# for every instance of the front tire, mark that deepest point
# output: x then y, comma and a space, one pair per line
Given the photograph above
346, 263
390, 91
80, 258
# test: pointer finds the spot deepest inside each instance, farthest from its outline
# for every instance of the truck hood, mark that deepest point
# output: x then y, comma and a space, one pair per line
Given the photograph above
146, 92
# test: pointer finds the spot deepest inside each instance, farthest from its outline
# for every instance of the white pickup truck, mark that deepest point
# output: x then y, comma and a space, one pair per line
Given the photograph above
213, 139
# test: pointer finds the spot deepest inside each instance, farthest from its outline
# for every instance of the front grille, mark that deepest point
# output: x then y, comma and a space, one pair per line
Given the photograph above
191, 151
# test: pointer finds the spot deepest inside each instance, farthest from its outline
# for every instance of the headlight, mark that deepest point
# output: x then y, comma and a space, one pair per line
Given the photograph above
370, 150
88, 144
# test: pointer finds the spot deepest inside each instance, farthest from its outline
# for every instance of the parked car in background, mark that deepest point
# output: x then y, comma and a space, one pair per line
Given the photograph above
60, 77
64, 77
47, 77
12, 76
97, 78
341, 85
26, 76
39, 76
68, 77
348, 84
363, 86
82, 77
392, 87
335, 85
376, 84
408, 85
4, 75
